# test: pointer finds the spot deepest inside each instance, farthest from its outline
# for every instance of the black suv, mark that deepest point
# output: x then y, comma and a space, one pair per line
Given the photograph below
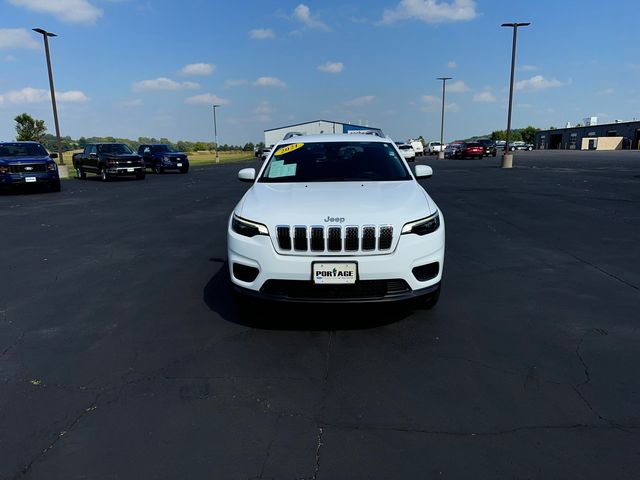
27, 163
489, 147
160, 157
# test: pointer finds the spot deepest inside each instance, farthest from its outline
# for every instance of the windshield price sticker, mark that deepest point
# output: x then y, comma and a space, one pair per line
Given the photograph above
288, 148
334, 273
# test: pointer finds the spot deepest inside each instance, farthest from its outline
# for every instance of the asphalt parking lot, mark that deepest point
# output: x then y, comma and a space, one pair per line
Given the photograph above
122, 354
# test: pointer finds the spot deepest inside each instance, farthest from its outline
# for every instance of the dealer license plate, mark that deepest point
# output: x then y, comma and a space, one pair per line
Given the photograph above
131, 169
29, 179
334, 273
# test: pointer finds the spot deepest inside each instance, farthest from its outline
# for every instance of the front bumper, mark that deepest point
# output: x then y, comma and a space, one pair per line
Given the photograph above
26, 178
381, 278
135, 170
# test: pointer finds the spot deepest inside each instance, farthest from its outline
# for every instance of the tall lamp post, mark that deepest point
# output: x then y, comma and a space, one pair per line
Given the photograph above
441, 152
507, 157
215, 132
46, 36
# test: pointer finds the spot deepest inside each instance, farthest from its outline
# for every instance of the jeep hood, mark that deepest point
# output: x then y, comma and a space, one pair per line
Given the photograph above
358, 203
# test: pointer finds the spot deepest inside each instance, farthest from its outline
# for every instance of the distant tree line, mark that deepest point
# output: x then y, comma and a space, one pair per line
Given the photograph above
518, 134
30, 129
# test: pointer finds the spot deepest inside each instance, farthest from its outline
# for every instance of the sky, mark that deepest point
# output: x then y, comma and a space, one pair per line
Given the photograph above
154, 68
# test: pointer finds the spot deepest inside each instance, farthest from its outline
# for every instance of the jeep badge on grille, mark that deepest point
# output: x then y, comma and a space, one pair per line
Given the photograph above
334, 219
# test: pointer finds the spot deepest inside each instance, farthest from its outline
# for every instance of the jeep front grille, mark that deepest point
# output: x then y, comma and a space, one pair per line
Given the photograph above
334, 239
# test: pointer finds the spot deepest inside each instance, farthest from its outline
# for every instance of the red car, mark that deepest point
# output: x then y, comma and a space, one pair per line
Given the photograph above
470, 150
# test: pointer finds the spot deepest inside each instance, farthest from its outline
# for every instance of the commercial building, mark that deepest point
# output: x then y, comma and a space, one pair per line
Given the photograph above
609, 136
317, 127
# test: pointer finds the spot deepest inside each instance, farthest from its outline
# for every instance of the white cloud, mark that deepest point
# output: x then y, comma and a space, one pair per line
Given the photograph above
485, 97
264, 108
607, 91
261, 34
162, 83
10, 58
72, 96
457, 87
431, 11
235, 83
38, 95
207, 99
360, 101
198, 69
270, 82
528, 68
17, 38
538, 82
262, 118
452, 64
434, 104
331, 67
72, 11
302, 13
131, 103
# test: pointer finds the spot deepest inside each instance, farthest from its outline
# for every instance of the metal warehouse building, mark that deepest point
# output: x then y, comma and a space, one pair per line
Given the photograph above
609, 136
274, 135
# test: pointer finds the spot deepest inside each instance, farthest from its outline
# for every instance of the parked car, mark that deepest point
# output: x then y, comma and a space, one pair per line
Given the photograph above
407, 152
500, 144
467, 150
489, 147
28, 163
451, 150
318, 244
108, 160
160, 157
266, 151
519, 145
434, 147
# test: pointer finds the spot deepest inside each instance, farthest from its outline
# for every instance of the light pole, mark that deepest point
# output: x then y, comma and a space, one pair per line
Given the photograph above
215, 132
441, 152
46, 36
507, 157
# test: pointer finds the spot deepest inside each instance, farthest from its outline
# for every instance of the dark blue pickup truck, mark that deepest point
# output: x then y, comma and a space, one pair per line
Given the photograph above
27, 163
160, 158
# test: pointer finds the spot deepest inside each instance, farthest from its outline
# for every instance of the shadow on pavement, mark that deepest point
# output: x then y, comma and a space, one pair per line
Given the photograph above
219, 296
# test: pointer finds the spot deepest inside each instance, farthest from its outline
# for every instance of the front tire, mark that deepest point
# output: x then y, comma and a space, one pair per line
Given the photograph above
184, 169
104, 175
157, 168
140, 175
80, 174
55, 186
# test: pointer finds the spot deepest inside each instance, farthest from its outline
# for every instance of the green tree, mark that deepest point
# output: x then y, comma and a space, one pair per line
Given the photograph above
29, 129
528, 134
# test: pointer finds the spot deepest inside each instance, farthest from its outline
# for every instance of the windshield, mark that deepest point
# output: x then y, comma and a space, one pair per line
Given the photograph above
163, 149
405, 147
335, 162
115, 148
22, 150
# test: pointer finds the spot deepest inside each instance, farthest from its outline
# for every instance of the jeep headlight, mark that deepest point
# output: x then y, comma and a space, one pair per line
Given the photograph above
423, 226
247, 228
51, 167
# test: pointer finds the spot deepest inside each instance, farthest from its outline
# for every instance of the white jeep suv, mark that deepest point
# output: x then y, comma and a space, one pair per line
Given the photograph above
336, 218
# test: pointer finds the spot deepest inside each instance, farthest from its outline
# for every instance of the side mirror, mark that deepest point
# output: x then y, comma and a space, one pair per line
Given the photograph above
53, 155
247, 175
423, 171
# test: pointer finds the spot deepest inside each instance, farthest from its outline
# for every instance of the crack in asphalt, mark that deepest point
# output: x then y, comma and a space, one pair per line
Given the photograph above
273, 439
13, 345
27, 468
524, 428
318, 448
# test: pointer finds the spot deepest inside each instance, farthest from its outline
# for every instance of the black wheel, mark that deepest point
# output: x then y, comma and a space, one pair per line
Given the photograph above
140, 175
104, 175
157, 168
184, 169
55, 186
494, 154
80, 174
